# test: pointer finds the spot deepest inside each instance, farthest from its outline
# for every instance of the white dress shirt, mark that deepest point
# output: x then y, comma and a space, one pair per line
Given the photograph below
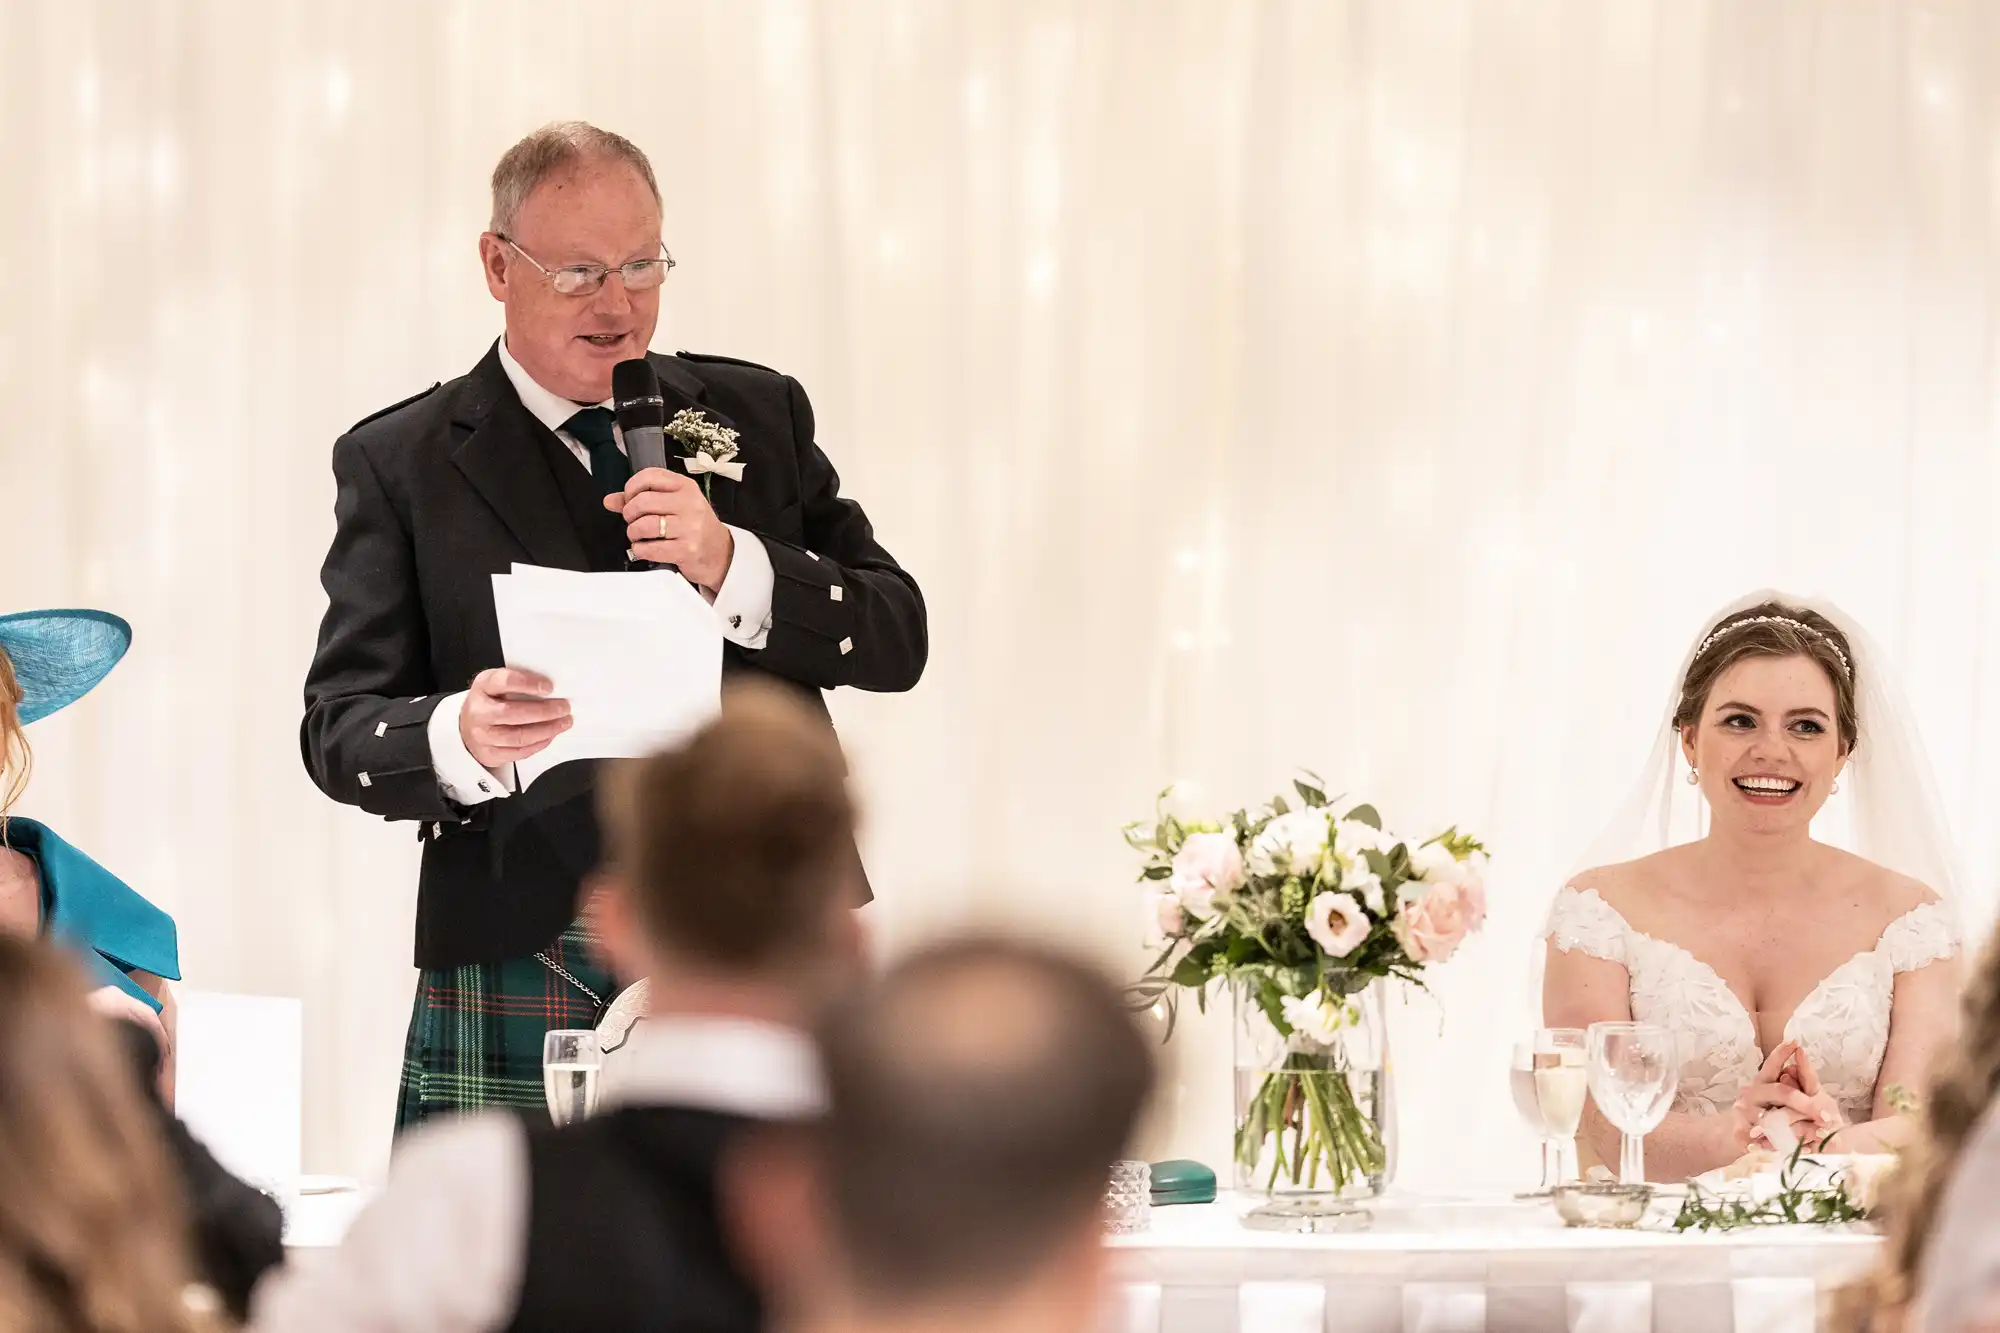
443, 1248
743, 603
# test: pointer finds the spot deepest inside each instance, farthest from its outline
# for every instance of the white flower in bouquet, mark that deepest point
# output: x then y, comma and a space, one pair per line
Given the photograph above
1433, 863
1365, 884
1207, 866
1292, 843
1164, 917
1337, 923
1314, 1019
1472, 871
1352, 837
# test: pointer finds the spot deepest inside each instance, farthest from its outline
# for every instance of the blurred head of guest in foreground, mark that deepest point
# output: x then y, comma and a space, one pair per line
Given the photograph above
93, 1238
1940, 1265
730, 873
978, 1096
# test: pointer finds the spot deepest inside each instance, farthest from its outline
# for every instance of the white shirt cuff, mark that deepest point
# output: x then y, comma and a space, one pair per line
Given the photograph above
464, 779
744, 599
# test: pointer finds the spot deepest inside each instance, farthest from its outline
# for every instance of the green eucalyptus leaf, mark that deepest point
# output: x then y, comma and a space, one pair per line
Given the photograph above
1271, 1001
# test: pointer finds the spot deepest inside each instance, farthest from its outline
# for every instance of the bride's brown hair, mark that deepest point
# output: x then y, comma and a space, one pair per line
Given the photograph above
1773, 629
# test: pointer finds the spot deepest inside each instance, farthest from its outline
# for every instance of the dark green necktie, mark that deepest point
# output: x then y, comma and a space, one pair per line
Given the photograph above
592, 428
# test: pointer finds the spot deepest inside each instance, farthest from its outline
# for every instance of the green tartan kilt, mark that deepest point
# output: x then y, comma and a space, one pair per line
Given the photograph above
476, 1031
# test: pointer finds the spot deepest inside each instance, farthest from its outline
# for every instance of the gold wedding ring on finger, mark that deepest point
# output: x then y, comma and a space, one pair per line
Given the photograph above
663, 527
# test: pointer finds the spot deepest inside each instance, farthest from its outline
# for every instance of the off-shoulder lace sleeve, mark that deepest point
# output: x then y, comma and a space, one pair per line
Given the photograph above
1580, 919
1920, 937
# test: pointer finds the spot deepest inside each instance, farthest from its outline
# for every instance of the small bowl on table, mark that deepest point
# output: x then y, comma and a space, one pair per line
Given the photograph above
1605, 1204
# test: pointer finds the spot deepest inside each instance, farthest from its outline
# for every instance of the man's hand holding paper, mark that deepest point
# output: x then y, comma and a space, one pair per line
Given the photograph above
510, 715
637, 659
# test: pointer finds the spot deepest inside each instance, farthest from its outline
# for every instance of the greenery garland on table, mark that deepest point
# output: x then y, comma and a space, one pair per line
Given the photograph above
1793, 1205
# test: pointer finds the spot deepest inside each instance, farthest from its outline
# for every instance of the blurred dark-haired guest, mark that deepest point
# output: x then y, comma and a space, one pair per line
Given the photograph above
93, 1234
978, 1096
731, 868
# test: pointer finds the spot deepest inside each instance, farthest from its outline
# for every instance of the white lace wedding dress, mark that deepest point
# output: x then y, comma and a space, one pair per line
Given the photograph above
1843, 1024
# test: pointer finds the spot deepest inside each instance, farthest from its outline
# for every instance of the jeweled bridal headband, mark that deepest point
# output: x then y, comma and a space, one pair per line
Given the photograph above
1798, 625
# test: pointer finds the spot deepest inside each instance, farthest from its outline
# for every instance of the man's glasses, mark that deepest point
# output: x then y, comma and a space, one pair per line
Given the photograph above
641, 275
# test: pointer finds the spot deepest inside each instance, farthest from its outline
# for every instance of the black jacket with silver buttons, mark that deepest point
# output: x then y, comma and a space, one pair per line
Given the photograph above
440, 492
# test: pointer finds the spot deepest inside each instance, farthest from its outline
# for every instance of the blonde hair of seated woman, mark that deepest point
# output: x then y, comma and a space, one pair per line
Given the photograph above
93, 1234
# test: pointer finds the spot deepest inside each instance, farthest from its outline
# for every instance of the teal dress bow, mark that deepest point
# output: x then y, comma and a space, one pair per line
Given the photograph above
97, 914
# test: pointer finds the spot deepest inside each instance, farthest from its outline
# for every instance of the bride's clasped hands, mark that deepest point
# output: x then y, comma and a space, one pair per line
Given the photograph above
1786, 1092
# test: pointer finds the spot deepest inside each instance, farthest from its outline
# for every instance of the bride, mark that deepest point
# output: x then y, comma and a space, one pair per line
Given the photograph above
1806, 986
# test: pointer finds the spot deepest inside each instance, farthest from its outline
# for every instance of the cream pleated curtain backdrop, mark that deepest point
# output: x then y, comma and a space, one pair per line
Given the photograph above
1381, 388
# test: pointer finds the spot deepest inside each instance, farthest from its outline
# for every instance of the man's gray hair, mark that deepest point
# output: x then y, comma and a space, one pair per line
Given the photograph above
551, 150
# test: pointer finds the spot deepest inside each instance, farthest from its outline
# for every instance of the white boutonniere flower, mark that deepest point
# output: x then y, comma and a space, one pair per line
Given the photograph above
709, 446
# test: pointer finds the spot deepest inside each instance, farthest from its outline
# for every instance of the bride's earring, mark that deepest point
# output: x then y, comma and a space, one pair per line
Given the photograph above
1694, 777
1834, 790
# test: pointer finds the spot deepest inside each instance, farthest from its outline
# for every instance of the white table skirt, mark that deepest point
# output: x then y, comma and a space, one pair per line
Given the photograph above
1471, 1266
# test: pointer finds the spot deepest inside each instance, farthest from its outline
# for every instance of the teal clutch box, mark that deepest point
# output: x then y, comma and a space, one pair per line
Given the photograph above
1182, 1181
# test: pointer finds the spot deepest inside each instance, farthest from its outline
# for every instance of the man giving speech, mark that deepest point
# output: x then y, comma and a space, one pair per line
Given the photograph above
411, 713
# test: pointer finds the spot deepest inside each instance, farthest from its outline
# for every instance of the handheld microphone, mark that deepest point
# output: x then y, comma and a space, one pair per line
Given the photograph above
642, 412
642, 418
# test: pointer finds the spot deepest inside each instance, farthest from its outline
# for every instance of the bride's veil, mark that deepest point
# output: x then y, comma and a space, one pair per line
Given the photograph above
1888, 798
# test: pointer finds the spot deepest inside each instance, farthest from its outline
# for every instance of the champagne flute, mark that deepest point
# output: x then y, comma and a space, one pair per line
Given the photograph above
1549, 1082
1634, 1072
572, 1058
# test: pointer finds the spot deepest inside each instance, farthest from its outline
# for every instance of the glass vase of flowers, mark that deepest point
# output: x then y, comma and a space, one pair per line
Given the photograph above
1306, 912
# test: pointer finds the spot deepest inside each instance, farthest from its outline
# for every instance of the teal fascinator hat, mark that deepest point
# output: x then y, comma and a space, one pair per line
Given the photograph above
59, 656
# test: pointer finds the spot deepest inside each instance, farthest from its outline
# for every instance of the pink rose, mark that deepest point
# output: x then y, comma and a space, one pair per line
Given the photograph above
1207, 864
1167, 916
1337, 923
1431, 928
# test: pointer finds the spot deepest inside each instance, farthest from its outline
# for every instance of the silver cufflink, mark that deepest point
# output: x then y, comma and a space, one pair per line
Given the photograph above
381, 728
437, 830
365, 782
736, 622
834, 592
846, 647
485, 787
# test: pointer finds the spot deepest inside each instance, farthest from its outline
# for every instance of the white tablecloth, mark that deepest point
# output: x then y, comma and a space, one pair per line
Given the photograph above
1428, 1265
318, 1221
1471, 1266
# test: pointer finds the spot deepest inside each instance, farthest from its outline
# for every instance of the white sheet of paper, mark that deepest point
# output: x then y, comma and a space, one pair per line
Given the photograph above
638, 656
240, 1078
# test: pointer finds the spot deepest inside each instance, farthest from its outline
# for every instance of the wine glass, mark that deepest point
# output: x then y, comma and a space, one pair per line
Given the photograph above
1634, 1071
1549, 1081
572, 1058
